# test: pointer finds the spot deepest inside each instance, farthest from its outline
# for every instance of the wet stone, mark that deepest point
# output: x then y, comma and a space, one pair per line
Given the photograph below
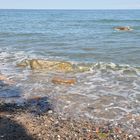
123, 28
67, 81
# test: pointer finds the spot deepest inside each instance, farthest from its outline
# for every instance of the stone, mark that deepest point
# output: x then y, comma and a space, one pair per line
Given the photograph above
59, 80
36, 98
3, 77
50, 112
2, 113
123, 28
6, 80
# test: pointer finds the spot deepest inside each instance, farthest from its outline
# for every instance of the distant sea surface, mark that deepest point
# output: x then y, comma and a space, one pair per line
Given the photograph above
74, 35
77, 36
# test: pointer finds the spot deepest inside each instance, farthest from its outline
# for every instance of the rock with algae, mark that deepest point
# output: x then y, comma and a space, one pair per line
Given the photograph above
48, 65
38, 64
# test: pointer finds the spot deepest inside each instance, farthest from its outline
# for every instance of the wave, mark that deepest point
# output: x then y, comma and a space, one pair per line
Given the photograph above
16, 57
93, 67
20, 33
112, 67
118, 20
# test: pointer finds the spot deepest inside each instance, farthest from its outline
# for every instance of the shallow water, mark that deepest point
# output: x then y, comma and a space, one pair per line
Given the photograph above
110, 90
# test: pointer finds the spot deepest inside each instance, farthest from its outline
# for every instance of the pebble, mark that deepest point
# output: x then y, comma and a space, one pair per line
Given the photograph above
39, 134
50, 112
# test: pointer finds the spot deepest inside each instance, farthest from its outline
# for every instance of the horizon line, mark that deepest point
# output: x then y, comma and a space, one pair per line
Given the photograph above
67, 9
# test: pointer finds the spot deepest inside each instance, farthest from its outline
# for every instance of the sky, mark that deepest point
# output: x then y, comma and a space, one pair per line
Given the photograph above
69, 4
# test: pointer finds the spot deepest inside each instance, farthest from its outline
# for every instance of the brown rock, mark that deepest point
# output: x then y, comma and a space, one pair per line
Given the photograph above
59, 80
4, 113
36, 98
123, 28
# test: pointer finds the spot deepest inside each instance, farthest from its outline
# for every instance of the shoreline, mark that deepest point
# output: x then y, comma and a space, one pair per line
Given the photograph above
36, 119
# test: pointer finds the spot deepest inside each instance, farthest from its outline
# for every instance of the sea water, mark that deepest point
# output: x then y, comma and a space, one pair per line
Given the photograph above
109, 91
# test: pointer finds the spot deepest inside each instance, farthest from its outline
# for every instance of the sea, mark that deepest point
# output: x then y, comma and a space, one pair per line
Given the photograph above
109, 91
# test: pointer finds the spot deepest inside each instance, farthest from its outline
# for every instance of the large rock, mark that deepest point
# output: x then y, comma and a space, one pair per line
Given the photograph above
47, 65
123, 28
37, 64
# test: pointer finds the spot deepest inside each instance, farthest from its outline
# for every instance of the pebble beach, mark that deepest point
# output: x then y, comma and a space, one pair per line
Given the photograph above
18, 123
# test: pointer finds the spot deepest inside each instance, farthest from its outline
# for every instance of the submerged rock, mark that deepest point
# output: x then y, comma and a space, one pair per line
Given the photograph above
37, 64
68, 81
47, 65
5, 79
123, 28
